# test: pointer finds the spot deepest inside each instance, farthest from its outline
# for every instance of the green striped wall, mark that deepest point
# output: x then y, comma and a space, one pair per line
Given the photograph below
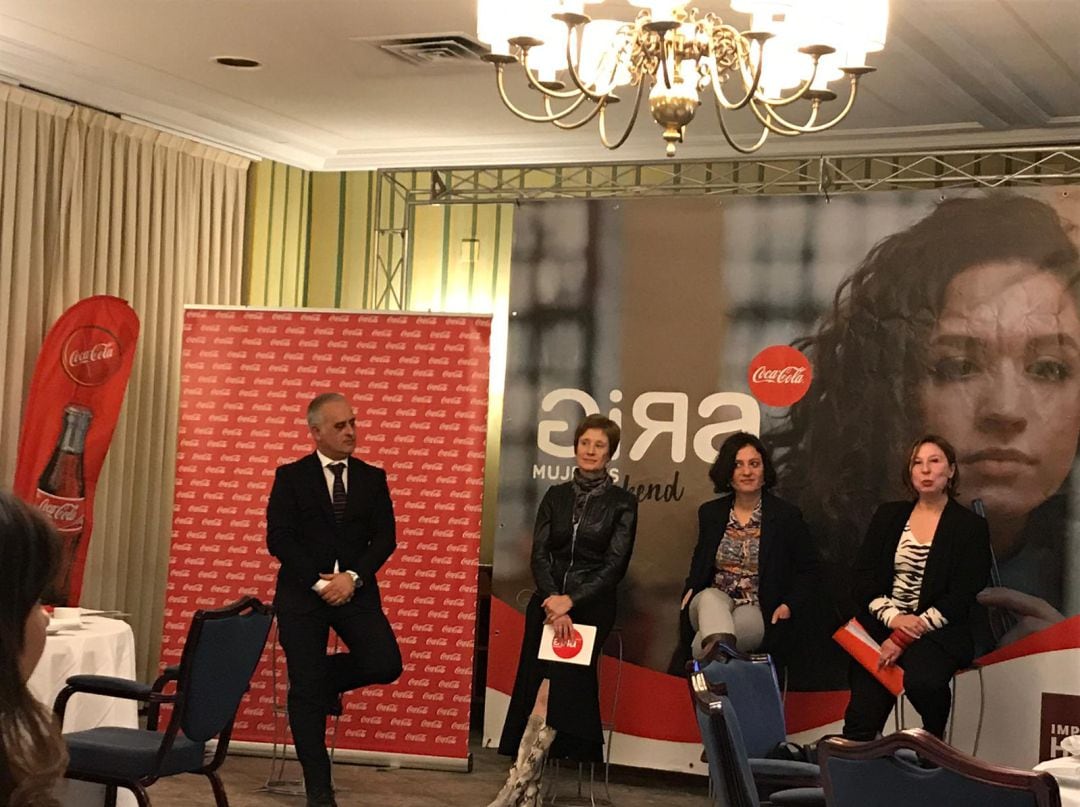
459, 258
277, 235
313, 242
342, 206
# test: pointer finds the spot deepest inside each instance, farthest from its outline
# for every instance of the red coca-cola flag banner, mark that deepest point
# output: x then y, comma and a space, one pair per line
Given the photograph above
75, 396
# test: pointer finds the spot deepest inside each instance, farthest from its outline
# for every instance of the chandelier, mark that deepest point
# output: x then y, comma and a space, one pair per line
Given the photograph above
792, 51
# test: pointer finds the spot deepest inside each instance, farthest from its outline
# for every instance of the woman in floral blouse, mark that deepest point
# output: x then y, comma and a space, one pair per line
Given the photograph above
754, 563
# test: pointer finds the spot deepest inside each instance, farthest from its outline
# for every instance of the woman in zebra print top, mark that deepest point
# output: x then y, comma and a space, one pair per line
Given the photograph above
918, 571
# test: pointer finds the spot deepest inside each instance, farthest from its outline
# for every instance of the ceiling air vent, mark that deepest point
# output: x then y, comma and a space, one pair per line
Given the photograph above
431, 50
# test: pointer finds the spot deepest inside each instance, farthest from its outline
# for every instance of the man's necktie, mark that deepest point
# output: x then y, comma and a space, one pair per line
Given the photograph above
338, 468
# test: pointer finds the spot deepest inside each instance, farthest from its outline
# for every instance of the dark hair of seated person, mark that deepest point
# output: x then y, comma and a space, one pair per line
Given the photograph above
32, 753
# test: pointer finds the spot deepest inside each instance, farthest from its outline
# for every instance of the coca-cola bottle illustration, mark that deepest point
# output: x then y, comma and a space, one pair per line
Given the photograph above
61, 495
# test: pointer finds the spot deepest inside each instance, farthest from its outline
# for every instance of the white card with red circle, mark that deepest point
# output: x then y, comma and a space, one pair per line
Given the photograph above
575, 650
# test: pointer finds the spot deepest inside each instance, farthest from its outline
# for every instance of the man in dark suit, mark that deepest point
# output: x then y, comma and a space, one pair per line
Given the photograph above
330, 522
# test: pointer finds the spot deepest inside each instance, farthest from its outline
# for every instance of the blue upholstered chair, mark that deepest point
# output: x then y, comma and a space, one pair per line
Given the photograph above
885, 774
220, 654
729, 768
752, 686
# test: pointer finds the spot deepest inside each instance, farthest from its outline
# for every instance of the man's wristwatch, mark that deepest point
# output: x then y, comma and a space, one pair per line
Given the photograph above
355, 577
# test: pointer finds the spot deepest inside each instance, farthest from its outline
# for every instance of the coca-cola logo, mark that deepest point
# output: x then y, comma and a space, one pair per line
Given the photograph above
784, 375
67, 515
568, 648
779, 375
91, 355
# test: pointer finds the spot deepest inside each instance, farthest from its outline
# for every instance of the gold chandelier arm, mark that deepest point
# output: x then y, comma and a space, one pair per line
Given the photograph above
629, 126
815, 52
551, 118
764, 120
538, 85
571, 68
721, 97
731, 139
596, 108
717, 86
783, 126
797, 95
810, 126
775, 123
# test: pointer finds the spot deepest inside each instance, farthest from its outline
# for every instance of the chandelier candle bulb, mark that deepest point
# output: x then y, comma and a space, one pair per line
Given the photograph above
792, 51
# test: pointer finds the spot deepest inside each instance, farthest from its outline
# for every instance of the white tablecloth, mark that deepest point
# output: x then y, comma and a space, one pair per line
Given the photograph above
1067, 772
100, 647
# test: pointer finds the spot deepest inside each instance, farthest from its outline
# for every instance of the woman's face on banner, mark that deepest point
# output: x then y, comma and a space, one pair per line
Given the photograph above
1004, 383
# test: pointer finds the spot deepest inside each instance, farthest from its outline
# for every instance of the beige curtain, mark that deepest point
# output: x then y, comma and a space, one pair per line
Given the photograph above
90, 204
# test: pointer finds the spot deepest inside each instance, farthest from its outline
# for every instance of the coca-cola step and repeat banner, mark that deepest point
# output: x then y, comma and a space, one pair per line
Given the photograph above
419, 386
75, 396
839, 331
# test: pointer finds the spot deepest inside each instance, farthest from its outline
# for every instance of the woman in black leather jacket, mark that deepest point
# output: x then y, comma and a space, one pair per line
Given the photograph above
582, 542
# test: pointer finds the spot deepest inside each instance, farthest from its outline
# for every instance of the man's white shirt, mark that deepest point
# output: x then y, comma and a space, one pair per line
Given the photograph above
326, 463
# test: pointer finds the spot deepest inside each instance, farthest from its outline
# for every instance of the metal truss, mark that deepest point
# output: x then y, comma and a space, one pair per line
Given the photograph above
391, 282
399, 191
804, 175
389, 272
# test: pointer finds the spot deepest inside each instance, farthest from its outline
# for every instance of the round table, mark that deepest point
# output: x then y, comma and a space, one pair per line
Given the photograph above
99, 647
1067, 772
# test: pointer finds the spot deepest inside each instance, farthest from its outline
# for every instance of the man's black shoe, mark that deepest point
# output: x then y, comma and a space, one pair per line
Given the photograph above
321, 800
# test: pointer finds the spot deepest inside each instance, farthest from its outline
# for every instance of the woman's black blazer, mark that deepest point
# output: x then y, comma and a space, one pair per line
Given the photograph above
787, 560
957, 568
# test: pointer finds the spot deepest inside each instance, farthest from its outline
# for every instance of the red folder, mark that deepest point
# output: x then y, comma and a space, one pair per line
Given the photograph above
861, 646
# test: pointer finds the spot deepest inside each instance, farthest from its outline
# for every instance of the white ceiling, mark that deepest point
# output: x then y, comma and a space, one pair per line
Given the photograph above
955, 73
